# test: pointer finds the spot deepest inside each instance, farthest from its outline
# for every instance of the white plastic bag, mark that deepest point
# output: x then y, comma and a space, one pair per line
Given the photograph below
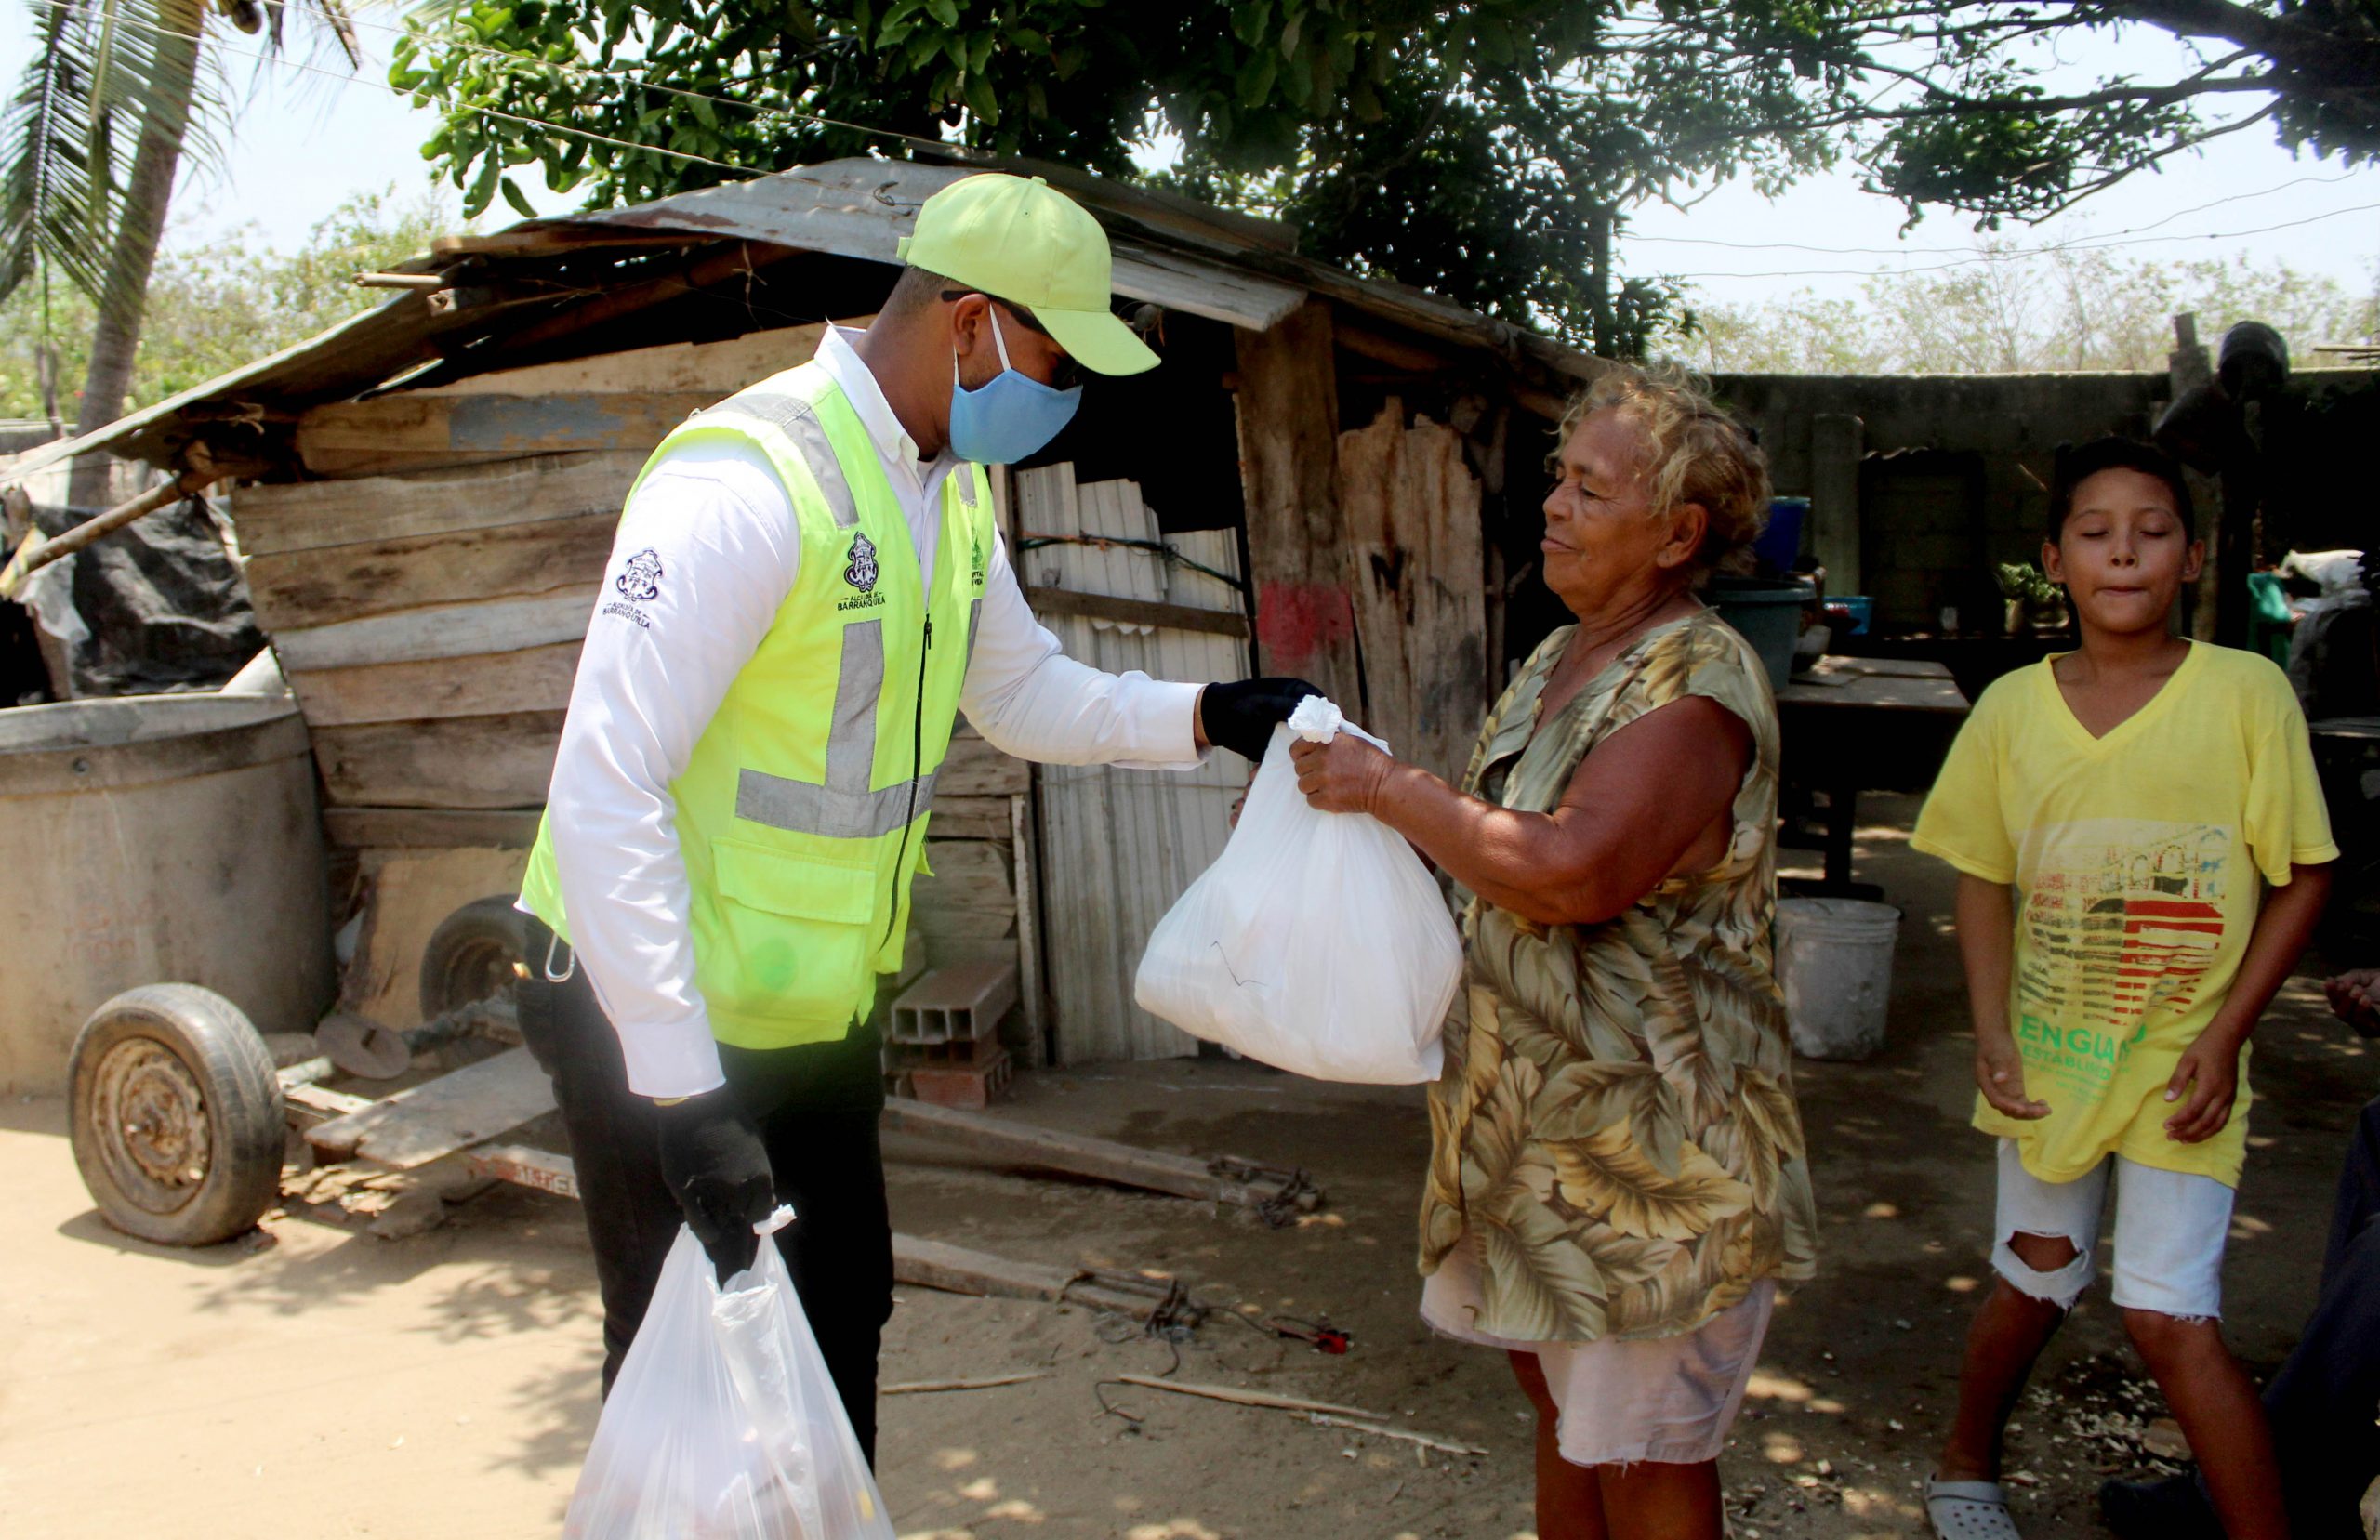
1317, 941
724, 1424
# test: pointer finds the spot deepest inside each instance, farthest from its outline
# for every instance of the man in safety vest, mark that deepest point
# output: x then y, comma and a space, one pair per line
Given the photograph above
807, 587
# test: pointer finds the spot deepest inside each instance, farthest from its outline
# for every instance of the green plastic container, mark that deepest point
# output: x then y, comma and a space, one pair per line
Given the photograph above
1766, 614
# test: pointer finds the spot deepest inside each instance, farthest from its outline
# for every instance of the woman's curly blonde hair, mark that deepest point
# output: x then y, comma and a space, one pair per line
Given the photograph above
1696, 453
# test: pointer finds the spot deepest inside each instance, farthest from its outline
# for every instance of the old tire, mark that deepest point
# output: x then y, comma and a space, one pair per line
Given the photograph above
177, 1118
473, 955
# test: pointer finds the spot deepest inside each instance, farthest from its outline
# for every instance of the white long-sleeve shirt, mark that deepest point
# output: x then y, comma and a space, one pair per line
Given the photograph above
713, 537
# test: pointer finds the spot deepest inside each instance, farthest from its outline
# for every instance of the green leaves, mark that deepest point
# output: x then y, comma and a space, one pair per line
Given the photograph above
1466, 149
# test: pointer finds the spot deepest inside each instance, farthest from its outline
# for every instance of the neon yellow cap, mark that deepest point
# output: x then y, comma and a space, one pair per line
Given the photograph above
1025, 242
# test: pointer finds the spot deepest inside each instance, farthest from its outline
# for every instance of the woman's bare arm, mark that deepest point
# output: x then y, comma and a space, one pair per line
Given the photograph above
1644, 799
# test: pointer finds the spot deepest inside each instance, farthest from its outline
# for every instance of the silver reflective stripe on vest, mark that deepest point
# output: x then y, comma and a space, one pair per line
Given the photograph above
797, 420
807, 810
844, 807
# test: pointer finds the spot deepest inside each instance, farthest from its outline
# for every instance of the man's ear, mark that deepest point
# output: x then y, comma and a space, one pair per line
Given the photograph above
970, 328
2053, 563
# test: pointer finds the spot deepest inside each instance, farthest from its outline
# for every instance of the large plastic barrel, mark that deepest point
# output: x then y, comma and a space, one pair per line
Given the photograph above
154, 838
1834, 962
1767, 612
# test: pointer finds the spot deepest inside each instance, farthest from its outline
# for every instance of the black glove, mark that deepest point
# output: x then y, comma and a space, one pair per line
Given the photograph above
1241, 716
717, 1169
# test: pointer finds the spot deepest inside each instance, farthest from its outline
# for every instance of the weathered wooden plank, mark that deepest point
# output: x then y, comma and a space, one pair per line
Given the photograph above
275, 517
460, 762
973, 767
1288, 406
970, 817
719, 368
915, 1261
1210, 1180
319, 1103
438, 1117
432, 427
410, 893
1135, 612
327, 585
1412, 514
969, 892
430, 828
441, 631
535, 678
958, 1269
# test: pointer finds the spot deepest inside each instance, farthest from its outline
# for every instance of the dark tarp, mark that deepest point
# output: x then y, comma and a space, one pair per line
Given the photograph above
168, 609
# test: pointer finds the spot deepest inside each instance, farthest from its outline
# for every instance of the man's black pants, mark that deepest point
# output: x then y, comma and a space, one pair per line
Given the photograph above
818, 1108
2322, 1401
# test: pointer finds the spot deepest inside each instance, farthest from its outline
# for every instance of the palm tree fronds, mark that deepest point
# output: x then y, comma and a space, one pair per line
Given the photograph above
61, 160
337, 16
104, 71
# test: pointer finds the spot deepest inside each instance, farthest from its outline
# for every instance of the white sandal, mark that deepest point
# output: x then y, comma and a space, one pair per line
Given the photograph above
1969, 1510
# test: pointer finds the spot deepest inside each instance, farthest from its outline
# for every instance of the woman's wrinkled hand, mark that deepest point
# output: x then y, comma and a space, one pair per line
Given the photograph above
1345, 775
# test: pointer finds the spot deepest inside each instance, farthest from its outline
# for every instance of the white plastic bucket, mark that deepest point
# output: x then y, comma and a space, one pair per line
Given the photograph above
1834, 962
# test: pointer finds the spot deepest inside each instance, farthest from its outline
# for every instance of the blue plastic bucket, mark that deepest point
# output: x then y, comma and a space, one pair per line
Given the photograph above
1779, 545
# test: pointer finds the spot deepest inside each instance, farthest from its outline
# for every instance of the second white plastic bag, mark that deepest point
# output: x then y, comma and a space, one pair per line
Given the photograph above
724, 1424
1317, 941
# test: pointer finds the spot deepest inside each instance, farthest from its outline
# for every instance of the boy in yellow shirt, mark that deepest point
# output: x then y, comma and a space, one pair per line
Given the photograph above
2142, 852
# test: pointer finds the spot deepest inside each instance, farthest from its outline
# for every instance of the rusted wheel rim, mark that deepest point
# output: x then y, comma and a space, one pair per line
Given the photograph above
150, 1117
483, 971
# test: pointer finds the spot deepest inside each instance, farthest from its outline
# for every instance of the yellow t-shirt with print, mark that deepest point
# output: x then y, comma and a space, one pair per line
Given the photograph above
2138, 860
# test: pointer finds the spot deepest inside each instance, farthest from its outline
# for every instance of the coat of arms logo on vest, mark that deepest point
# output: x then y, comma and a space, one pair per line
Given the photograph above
861, 573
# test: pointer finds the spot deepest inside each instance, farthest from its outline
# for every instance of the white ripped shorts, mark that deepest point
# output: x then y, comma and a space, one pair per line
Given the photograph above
2170, 1231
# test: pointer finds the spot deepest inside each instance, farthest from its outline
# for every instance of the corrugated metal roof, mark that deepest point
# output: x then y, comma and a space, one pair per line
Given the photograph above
1168, 250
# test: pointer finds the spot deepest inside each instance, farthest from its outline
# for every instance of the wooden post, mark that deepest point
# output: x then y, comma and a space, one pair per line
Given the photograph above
1297, 540
2188, 366
1412, 512
1028, 933
1837, 444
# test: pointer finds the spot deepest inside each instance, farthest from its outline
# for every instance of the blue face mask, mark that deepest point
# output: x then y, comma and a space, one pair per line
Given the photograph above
1008, 415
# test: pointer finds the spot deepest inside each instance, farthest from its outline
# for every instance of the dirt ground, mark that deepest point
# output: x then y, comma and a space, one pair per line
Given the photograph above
315, 1380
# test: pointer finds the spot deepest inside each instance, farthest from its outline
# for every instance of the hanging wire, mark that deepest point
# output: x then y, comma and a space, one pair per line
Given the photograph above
1156, 548
2033, 251
1970, 250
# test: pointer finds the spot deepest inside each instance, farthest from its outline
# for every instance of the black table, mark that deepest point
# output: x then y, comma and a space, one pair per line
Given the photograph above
1855, 724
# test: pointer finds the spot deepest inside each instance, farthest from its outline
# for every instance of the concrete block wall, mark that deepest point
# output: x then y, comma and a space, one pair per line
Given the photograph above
1920, 482
1951, 476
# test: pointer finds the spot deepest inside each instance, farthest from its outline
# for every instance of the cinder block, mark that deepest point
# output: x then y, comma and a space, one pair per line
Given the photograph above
959, 1004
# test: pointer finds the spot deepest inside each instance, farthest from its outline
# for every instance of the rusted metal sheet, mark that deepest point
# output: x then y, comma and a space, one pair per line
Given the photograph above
862, 208
1168, 250
1119, 845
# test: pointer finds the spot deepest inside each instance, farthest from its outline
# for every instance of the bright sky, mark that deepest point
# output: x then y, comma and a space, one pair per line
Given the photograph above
308, 140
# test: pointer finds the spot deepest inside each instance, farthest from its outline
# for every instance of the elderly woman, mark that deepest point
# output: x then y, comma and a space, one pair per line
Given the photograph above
1616, 1178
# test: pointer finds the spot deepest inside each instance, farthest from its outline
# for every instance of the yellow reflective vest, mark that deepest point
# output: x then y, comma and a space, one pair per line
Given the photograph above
803, 811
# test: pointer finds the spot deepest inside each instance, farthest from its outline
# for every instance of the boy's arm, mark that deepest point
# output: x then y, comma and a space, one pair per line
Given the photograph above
2209, 1072
1987, 923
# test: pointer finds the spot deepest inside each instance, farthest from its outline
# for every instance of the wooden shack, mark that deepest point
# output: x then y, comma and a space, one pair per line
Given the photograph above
1314, 482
